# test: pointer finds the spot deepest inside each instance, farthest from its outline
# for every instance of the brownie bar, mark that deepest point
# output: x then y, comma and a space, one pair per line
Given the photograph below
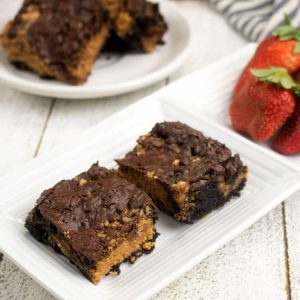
187, 174
61, 39
57, 39
137, 25
98, 220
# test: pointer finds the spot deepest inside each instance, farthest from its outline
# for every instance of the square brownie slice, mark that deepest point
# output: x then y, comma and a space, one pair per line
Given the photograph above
187, 174
57, 39
97, 220
137, 25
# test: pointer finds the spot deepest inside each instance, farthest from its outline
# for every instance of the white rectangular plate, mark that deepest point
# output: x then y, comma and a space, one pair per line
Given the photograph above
200, 100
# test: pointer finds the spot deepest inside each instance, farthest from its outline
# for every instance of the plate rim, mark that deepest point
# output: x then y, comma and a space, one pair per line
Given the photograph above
85, 92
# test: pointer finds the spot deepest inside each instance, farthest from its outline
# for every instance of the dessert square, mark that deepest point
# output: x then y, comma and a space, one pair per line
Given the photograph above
57, 39
97, 220
186, 174
137, 25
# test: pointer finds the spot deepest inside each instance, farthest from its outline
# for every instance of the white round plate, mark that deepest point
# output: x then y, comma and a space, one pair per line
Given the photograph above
112, 74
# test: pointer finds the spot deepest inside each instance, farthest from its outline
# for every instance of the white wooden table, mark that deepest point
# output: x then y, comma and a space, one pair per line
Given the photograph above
262, 263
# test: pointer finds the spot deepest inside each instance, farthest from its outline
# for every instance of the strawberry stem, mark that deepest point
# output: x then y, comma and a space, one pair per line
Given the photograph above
288, 32
277, 76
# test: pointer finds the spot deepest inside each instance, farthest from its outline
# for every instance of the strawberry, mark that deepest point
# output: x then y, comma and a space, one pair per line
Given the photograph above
280, 50
259, 109
278, 53
288, 139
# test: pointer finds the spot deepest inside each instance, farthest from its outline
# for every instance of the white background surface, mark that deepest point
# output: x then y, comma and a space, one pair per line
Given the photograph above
262, 263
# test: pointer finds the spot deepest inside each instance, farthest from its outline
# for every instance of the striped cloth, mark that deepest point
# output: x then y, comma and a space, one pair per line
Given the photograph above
256, 19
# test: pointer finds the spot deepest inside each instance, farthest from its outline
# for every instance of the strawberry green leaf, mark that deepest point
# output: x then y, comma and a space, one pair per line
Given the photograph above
287, 20
278, 76
288, 32
297, 47
272, 74
274, 78
285, 31
296, 91
262, 72
287, 83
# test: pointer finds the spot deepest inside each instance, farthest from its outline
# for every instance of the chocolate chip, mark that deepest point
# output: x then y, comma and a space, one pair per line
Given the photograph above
218, 168
198, 185
156, 142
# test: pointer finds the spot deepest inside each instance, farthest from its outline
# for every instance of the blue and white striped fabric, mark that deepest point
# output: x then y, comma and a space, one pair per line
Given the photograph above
256, 19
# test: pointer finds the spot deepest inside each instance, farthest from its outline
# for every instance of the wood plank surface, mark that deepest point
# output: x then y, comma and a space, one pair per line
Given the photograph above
252, 266
23, 118
70, 118
292, 221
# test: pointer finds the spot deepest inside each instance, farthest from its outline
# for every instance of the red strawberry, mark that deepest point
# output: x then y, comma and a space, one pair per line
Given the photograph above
288, 139
272, 52
259, 109
280, 50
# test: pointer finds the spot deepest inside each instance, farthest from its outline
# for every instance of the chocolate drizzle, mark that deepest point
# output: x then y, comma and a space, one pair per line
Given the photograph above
175, 152
102, 197
147, 17
147, 22
62, 28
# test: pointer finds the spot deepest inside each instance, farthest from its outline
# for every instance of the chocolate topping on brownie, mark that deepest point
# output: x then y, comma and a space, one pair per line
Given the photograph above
147, 16
147, 23
175, 152
76, 21
95, 196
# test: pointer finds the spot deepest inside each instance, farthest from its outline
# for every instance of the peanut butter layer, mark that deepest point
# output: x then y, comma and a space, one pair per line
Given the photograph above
98, 220
58, 39
186, 174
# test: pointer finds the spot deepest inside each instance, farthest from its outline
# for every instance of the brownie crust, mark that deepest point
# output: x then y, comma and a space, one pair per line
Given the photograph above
98, 220
186, 174
137, 25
